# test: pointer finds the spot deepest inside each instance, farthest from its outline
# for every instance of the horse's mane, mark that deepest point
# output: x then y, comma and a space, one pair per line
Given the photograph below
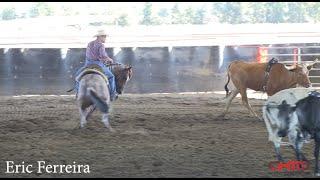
117, 69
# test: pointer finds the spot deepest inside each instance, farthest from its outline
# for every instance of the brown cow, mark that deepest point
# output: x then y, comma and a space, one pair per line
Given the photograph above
252, 75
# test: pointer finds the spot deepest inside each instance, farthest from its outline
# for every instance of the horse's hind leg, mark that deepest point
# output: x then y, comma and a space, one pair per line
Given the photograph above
105, 120
89, 110
83, 117
84, 114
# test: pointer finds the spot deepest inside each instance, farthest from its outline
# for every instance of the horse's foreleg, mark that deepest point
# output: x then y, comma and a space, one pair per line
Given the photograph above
105, 120
245, 102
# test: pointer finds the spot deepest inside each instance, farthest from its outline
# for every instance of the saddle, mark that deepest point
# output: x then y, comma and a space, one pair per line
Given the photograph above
92, 69
267, 71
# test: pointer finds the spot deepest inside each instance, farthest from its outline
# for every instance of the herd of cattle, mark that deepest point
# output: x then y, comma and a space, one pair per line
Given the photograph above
289, 111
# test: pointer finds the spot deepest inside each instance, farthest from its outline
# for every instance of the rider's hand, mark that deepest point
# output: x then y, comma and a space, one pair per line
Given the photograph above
109, 60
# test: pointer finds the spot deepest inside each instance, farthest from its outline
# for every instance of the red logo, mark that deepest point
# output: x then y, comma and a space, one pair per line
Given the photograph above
289, 166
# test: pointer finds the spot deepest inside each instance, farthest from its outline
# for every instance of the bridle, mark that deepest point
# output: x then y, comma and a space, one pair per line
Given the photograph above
112, 64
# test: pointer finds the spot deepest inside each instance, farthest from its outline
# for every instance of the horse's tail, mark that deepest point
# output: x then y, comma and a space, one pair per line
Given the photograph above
226, 85
102, 105
71, 89
74, 87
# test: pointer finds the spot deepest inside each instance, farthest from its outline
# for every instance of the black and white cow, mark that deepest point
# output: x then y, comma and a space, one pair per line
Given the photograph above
308, 112
271, 111
298, 121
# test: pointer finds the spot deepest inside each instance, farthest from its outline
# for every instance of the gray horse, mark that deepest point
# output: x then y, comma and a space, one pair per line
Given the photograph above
94, 92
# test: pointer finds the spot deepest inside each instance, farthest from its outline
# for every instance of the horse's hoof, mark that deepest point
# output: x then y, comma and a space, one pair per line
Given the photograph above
222, 115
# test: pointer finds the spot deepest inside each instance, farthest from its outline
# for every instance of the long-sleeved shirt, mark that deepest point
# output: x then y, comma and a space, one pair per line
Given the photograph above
96, 51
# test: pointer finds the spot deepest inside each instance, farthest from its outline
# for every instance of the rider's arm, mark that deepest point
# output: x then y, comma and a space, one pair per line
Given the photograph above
103, 56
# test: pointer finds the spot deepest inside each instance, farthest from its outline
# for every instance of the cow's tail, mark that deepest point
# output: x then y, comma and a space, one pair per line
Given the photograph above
102, 105
226, 85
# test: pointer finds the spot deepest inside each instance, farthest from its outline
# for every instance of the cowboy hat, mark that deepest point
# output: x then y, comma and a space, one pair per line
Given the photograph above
100, 33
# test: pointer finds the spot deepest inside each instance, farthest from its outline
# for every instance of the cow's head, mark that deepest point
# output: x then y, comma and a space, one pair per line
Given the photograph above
302, 73
285, 118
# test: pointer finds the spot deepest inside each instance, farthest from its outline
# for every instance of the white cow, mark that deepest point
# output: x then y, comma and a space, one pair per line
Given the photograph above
291, 96
280, 117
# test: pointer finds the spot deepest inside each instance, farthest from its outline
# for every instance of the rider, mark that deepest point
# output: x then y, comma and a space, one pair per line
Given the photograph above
96, 54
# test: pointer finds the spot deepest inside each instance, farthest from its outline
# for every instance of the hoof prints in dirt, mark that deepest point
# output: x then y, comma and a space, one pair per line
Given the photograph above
156, 136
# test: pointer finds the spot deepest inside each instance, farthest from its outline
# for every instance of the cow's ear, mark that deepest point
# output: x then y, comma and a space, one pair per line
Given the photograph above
284, 102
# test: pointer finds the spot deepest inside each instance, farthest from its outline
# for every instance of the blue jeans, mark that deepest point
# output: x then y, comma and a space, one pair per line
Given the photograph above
107, 72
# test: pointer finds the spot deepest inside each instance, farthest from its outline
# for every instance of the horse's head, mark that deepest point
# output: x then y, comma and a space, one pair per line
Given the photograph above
122, 73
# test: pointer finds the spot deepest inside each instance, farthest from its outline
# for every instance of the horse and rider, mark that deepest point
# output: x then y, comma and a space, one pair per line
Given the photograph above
99, 81
96, 55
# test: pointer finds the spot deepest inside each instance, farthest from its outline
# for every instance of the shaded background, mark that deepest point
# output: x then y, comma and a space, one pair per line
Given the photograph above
156, 69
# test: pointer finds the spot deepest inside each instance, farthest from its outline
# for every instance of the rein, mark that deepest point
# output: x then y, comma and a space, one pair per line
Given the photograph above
112, 64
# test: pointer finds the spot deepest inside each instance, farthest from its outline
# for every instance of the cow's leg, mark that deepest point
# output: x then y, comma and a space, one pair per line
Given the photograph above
316, 153
229, 100
297, 143
105, 120
245, 102
277, 149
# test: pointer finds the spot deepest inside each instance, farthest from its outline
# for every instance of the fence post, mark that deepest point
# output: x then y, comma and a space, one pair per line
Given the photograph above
262, 54
299, 55
295, 53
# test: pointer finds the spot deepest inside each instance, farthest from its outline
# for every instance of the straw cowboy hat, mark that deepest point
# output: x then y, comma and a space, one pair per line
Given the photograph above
101, 33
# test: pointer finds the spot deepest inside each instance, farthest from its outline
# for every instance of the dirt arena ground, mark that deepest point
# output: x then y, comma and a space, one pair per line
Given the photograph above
167, 135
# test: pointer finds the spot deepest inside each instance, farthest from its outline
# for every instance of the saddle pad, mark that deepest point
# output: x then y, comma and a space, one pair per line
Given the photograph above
90, 71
